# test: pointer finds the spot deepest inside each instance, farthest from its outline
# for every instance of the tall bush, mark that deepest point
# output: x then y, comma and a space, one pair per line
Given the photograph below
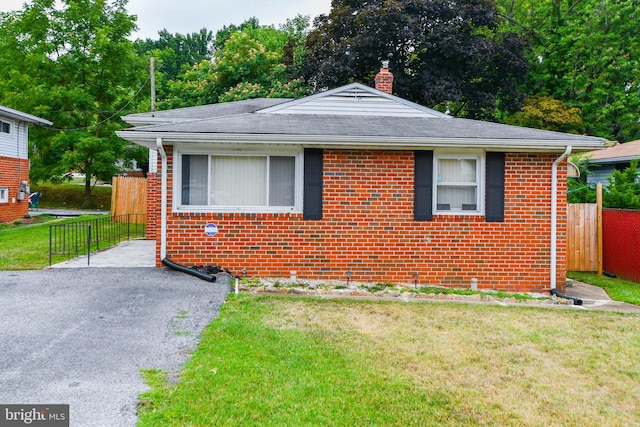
623, 190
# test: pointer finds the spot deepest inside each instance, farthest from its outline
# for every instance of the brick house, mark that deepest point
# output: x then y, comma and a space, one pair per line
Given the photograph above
14, 162
357, 180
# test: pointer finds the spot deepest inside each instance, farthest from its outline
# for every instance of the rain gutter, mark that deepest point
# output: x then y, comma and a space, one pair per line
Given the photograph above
554, 215
163, 200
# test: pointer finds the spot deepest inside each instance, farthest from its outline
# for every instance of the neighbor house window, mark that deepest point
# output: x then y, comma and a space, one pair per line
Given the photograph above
4, 195
5, 127
458, 183
239, 182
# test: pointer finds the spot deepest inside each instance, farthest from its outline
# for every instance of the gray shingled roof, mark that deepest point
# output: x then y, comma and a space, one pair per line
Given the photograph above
401, 127
252, 121
364, 126
206, 111
617, 153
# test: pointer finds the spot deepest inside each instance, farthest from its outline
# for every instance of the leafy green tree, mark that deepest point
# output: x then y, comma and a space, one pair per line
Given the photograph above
623, 190
248, 65
578, 190
295, 51
584, 52
449, 55
224, 34
545, 112
71, 62
175, 54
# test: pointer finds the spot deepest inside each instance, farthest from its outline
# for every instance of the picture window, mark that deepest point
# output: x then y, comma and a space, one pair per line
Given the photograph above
239, 182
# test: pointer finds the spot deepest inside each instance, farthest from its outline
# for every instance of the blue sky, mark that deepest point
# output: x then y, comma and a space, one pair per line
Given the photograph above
187, 16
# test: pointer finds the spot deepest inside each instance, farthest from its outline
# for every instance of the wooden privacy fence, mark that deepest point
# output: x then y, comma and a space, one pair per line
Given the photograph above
129, 196
582, 237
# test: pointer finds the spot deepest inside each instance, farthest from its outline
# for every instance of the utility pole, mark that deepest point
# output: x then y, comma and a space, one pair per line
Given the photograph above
152, 71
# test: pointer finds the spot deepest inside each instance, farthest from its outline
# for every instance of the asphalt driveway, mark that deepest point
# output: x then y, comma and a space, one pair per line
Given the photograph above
81, 336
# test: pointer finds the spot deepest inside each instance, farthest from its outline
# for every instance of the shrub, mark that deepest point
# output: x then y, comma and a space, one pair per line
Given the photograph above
623, 191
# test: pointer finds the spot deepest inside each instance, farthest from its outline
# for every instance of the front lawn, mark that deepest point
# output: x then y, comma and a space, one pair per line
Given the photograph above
280, 361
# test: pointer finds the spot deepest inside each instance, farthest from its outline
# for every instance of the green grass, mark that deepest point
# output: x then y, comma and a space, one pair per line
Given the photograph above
71, 196
618, 289
274, 361
26, 247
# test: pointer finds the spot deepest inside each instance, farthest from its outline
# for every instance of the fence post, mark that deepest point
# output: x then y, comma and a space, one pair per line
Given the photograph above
97, 230
77, 235
89, 246
599, 222
50, 243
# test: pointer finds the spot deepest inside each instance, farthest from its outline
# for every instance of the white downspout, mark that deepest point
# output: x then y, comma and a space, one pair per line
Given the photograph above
163, 200
554, 215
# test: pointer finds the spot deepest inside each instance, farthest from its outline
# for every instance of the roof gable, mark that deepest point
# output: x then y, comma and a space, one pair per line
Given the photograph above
354, 100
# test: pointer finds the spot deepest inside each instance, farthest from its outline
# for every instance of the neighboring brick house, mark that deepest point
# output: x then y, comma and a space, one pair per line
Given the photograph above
357, 180
14, 162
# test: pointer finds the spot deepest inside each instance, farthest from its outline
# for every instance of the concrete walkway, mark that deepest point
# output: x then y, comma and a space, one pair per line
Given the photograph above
141, 253
596, 298
132, 253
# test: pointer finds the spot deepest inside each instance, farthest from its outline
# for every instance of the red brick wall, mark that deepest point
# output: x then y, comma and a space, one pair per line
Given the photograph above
384, 81
368, 229
153, 205
12, 172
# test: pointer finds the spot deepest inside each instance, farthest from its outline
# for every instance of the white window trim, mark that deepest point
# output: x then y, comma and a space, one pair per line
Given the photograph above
480, 157
198, 149
4, 194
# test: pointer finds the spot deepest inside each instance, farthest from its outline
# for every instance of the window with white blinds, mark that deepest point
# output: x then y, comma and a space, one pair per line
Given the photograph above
245, 182
458, 183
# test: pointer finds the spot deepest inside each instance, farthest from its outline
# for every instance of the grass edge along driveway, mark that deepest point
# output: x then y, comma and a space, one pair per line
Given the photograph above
275, 361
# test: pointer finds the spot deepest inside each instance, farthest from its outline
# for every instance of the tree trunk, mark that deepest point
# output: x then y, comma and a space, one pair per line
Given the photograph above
87, 191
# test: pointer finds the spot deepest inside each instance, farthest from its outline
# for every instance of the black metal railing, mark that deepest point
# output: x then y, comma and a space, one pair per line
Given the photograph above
79, 238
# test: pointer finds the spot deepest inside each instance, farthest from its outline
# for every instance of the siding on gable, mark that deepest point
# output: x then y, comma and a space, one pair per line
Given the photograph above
368, 228
601, 173
14, 144
355, 102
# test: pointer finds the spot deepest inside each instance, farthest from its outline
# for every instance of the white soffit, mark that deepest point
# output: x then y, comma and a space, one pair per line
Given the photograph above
355, 100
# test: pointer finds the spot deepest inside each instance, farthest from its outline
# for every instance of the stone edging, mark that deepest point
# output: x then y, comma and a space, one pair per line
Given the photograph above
398, 295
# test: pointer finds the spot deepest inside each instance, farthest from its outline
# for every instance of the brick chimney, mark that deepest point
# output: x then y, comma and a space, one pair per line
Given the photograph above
384, 79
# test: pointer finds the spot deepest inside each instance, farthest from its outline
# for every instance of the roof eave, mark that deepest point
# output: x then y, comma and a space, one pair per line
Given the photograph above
23, 117
621, 159
140, 120
148, 139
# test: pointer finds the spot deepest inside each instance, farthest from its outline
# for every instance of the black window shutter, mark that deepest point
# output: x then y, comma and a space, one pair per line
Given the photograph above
312, 205
423, 186
494, 199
